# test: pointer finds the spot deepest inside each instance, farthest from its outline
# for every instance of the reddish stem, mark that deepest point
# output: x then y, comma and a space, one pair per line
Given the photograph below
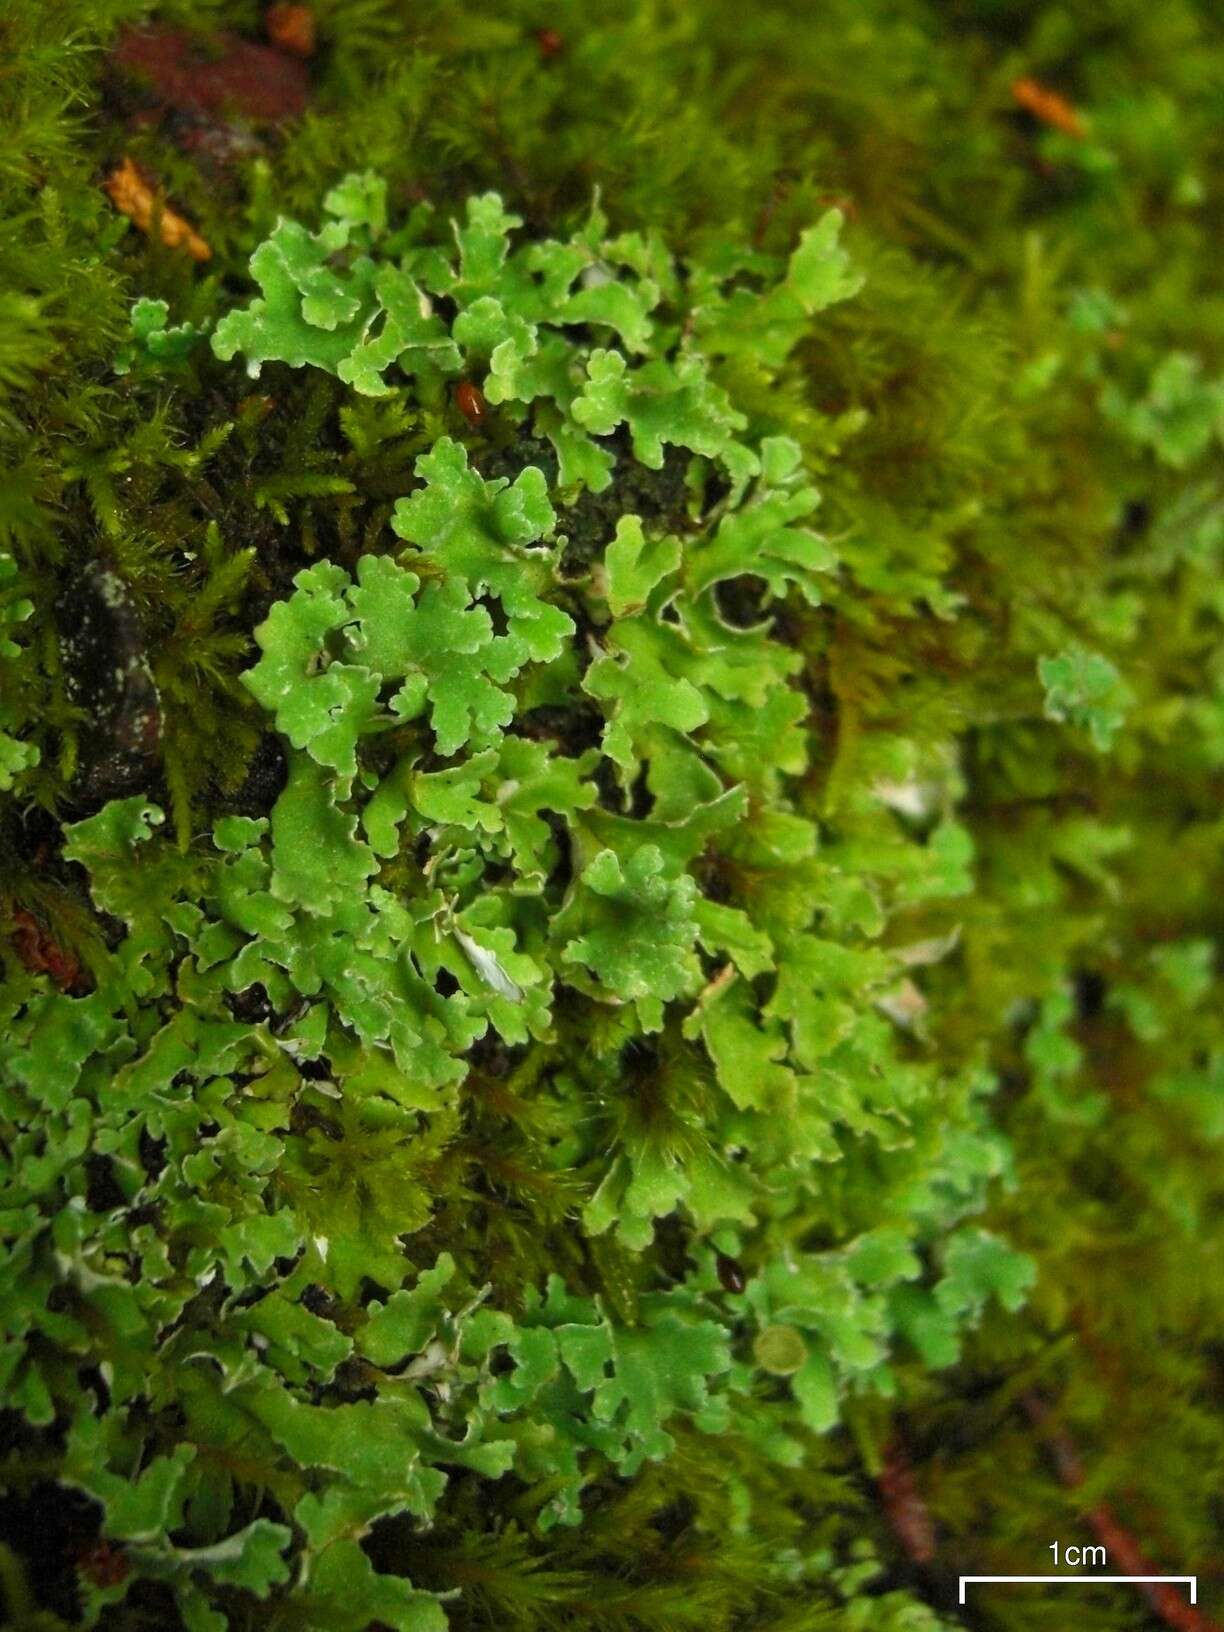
1119, 1542
904, 1507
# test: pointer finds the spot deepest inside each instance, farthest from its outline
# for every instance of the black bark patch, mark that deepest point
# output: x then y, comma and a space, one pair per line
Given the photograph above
107, 673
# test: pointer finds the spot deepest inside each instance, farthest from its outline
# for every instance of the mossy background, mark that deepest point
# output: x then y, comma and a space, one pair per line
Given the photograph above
1026, 448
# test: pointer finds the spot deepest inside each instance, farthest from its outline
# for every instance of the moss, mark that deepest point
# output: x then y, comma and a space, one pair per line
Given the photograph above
979, 834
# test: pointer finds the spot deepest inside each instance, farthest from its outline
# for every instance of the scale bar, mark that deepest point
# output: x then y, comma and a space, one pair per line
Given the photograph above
1138, 1580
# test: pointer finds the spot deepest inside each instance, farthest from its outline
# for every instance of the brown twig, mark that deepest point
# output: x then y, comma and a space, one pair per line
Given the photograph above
1121, 1545
904, 1507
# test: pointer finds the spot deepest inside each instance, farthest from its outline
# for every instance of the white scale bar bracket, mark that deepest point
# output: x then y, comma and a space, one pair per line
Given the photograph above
1136, 1580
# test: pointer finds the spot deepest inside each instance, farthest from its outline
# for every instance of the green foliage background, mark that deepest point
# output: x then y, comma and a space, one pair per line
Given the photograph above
762, 1002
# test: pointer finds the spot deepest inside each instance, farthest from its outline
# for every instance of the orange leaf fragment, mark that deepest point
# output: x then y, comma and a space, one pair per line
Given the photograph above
1048, 106
292, 29
132, 196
